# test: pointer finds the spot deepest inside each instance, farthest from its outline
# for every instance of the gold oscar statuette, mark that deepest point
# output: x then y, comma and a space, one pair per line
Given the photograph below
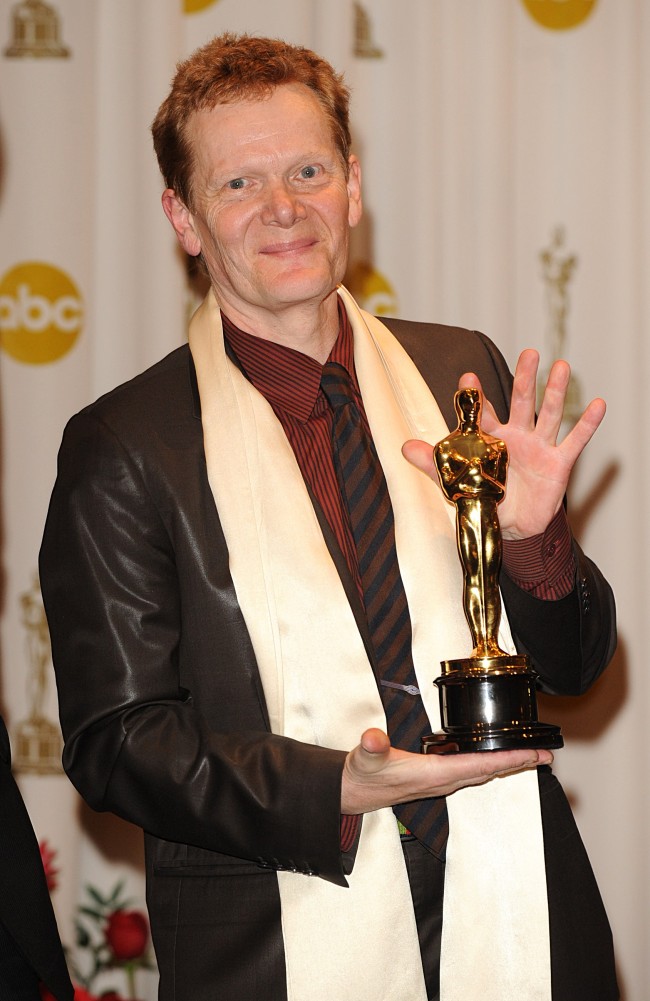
487, 700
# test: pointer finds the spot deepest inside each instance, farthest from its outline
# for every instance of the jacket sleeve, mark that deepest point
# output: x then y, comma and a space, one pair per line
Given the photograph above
137, 741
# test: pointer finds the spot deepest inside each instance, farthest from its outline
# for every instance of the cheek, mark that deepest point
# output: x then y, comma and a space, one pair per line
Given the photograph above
226, 229
341, 216
237, 234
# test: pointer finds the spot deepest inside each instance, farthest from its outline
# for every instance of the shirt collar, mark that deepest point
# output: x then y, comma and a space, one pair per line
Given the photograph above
287, 378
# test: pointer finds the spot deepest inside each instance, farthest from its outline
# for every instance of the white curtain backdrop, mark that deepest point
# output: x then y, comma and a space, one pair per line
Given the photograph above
486, 131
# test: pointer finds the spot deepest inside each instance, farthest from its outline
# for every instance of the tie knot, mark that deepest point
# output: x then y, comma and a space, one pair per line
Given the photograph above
337, 385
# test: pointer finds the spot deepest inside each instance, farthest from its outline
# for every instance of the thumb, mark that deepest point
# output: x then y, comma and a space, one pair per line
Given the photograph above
375, 741
420, 455
371, 753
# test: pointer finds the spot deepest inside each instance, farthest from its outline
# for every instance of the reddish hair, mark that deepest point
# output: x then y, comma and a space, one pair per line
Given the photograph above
234, 68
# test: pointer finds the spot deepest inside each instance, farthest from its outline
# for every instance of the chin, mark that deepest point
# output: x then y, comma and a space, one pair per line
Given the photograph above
302, 288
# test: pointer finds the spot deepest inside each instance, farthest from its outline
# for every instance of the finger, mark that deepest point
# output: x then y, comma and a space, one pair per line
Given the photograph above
522, 403
489, 419
584, 430
420, 455
469, 380
551, 411
476, 768
482, 768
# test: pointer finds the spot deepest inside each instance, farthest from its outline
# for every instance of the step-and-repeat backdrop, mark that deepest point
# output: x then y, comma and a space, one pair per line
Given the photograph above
505, 148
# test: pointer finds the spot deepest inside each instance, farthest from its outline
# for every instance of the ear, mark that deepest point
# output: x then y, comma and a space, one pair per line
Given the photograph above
355, 207
183, 222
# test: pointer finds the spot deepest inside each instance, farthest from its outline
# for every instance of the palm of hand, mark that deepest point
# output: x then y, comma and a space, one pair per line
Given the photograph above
538, 474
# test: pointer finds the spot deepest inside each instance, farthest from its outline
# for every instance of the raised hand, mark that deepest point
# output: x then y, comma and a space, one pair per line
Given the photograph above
539, 467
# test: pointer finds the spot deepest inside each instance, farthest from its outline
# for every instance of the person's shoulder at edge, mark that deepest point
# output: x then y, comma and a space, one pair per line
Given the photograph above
414, 334
153, 393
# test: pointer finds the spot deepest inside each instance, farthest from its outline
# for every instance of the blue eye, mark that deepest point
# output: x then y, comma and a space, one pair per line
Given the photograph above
236, 184
308, 172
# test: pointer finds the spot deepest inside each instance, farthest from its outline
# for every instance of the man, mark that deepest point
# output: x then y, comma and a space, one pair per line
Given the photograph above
30, 947
218, 645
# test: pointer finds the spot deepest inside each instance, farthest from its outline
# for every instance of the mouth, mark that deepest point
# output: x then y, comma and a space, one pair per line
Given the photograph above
288, 248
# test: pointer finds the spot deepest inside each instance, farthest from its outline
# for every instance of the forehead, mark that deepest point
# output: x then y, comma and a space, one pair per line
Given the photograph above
291, 119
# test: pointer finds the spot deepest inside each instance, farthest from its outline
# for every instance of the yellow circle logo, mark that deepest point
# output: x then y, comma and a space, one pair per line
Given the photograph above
559, 14
371, 290
41, 313
194, 6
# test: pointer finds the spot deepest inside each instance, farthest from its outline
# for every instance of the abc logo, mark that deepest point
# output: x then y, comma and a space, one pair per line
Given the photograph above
194, 6
373, 291
41, 313
559, 14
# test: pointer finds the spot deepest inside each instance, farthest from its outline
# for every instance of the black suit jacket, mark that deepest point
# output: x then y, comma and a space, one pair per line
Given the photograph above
30, 948
161, 702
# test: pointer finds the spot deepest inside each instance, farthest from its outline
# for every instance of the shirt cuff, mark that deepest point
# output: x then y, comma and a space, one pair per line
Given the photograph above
544, 565
349, 830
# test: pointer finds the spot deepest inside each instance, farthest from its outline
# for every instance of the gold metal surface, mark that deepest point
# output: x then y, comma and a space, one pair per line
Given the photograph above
487, 700
472, 468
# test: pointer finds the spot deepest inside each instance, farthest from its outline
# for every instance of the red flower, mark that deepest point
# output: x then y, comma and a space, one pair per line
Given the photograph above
80, 994
48, 855
127, 935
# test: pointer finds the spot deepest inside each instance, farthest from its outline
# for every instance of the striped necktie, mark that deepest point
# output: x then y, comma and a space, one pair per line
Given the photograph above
364, 490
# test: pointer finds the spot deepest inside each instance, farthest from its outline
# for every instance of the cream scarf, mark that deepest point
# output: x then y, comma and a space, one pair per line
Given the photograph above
361, 942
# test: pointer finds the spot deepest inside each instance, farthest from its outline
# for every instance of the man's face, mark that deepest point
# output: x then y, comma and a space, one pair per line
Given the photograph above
271, 204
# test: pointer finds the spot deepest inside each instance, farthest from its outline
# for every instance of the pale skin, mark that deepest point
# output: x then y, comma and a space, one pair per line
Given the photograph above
272, 206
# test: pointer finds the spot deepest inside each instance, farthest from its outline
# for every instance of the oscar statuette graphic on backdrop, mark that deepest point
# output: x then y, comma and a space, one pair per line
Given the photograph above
36, 31
365, 46
557, 272
38, 743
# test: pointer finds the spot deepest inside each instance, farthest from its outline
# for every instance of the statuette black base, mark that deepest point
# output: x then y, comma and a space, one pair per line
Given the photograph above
489, 704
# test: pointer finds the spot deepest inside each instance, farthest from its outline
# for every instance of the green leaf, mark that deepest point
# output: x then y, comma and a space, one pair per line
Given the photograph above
96, 896
82, 936
113, 902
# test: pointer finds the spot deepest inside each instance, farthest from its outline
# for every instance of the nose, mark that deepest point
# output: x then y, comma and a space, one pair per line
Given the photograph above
283, 206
